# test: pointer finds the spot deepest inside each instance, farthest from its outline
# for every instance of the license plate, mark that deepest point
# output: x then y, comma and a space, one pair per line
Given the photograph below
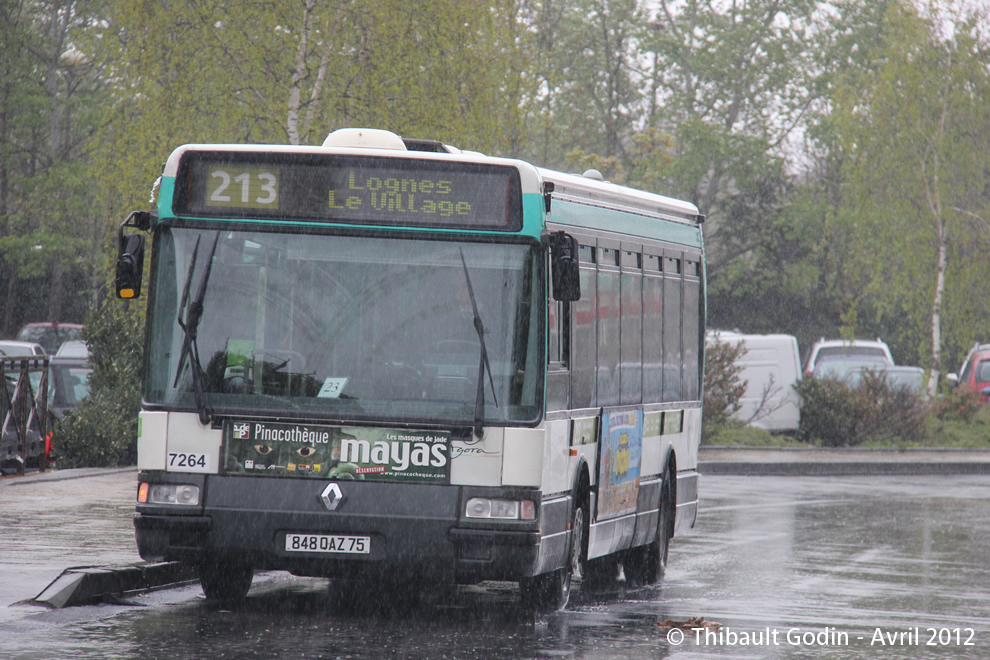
331, 543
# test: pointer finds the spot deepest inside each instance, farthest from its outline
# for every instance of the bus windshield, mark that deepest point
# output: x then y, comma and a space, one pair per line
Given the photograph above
341, 327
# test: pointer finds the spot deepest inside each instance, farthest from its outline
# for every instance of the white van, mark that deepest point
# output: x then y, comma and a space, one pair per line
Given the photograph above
771, 365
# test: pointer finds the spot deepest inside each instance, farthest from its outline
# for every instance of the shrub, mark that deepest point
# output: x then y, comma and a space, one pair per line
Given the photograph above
958, 404
723, 388
102, 430
895, 413
830, 412
836, 415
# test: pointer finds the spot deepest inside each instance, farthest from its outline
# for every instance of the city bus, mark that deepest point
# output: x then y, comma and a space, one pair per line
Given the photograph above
386, 360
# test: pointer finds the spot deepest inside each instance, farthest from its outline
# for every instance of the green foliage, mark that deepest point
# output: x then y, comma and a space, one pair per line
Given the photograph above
801, 294
292, 72
102, 430
723, 70
647, 160
913, 183
723, 388
51, 101
582, 92
835, 234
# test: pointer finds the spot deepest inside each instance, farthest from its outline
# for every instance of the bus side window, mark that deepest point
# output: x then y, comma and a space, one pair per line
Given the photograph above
652, 328
584, 333
693, 337
609, 308
631, 331
558, 378
672, 329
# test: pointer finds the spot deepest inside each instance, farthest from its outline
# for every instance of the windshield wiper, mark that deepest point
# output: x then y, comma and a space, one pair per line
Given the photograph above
193, 315
479, 402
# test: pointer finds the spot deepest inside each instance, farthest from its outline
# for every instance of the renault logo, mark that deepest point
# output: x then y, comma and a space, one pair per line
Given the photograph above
331, 496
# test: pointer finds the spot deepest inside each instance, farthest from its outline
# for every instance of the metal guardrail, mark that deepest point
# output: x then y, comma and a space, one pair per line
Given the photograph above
24, 413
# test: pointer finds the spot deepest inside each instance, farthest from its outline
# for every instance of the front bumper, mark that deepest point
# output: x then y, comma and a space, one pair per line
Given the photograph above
416, 531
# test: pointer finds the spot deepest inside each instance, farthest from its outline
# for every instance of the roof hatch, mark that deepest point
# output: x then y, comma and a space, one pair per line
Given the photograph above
368, 138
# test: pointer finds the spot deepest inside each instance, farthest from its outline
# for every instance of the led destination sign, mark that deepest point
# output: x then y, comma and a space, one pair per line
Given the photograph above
358, 190
439, 196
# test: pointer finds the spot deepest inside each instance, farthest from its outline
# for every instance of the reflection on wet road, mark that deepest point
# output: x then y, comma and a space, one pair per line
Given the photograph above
883, 565
791, 567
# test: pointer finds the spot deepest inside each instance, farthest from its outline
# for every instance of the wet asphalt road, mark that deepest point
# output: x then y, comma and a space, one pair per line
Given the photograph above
791, 567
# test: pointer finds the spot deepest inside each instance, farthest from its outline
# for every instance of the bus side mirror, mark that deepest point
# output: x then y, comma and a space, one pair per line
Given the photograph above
130, 266
130, 255
565, 268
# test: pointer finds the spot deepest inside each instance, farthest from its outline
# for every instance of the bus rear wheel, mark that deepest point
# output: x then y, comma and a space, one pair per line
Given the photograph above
600, 574
225, 582
646, 564
549, 592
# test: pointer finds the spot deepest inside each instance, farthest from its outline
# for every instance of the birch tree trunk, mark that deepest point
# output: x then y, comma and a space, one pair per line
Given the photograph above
300, 73
933, 182
936, 364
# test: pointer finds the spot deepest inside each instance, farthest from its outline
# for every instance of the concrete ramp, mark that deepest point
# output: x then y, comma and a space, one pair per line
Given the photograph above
87, 585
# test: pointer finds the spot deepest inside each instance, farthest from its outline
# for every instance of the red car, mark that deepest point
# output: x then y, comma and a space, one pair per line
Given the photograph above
51, 334
975, 372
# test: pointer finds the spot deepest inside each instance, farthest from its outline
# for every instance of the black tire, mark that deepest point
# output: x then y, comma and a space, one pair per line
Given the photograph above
646, 564
224, 582
600, 574
549, 592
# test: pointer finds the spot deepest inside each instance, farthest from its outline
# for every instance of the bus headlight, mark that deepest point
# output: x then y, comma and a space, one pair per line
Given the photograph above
183, 494
484, 507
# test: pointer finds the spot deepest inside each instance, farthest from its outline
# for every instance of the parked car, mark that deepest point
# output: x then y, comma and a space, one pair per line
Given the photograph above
68, 372
74, 348
975, 372
50, 334
68, 383
911, 378
839, 367
771, 365
14, 348
865, 348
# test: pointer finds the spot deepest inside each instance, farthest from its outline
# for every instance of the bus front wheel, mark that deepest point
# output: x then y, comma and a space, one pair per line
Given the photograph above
549, 592
225, 582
